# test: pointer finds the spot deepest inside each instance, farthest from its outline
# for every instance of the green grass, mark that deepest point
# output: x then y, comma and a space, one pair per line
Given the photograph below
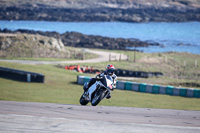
75, 54
176, 72
87, 56
60, 87
36, 59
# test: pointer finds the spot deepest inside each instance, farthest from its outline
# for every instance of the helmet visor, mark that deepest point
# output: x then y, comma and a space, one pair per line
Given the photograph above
110, 71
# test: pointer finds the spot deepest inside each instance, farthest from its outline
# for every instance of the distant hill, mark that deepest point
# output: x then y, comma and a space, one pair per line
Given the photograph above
101, 10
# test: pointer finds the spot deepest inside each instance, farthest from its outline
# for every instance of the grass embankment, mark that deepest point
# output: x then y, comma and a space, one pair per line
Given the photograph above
75, 54
179, 69
60, 87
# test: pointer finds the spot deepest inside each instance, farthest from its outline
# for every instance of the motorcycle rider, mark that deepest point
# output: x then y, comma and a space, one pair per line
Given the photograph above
110, 69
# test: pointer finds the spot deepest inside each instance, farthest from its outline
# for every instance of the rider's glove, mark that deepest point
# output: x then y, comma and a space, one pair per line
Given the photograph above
113, 86
99, 76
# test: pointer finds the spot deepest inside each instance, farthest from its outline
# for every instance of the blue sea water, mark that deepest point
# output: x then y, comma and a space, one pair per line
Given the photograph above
168, 34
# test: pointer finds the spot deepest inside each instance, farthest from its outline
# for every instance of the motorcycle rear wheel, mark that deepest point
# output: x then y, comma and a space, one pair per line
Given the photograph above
83, 101
97, 97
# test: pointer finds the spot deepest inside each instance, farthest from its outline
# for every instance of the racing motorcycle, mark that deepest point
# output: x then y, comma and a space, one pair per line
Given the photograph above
98, 91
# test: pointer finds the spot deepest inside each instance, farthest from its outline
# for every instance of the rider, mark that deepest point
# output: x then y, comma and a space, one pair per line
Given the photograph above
110, 69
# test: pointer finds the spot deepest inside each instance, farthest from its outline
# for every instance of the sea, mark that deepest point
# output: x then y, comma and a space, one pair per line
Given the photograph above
174, 37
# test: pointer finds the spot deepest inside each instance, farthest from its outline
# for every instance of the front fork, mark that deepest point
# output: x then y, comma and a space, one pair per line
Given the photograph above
106, 93
85, 86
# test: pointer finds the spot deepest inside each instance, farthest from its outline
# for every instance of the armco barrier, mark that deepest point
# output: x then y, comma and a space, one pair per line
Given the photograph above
148, 88
20, 75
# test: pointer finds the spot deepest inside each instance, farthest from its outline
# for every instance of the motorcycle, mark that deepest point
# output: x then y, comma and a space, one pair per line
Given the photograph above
98, 91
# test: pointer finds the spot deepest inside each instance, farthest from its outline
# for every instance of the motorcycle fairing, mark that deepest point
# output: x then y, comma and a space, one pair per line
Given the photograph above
107, 82
92, 89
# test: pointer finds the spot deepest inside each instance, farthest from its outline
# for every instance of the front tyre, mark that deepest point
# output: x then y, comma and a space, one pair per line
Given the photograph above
98, 96
83, 101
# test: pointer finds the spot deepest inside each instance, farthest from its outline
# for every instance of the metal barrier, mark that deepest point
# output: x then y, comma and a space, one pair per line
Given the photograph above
150, 88
20, 75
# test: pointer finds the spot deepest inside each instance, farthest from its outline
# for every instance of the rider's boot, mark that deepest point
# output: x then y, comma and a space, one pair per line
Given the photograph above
109, 96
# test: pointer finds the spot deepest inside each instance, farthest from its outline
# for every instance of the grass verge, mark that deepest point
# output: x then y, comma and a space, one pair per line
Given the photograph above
60, 87
179, 69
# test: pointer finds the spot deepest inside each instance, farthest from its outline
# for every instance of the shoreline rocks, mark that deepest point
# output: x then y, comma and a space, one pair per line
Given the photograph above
101, 10
27, 45
75, 39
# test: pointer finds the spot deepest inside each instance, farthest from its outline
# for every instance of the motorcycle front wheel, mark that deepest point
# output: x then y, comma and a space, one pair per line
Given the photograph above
83, 101
98, 96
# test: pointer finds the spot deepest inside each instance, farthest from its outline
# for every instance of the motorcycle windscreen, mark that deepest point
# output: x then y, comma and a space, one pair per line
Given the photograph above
107, 81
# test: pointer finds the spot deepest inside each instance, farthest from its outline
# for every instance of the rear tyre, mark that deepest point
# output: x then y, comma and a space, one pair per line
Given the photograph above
98, 96
83, 101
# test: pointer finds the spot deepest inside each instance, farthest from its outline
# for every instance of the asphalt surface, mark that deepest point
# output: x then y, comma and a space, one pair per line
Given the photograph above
51, 118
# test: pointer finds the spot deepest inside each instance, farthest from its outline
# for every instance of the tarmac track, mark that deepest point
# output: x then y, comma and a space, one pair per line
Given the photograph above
51, 118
